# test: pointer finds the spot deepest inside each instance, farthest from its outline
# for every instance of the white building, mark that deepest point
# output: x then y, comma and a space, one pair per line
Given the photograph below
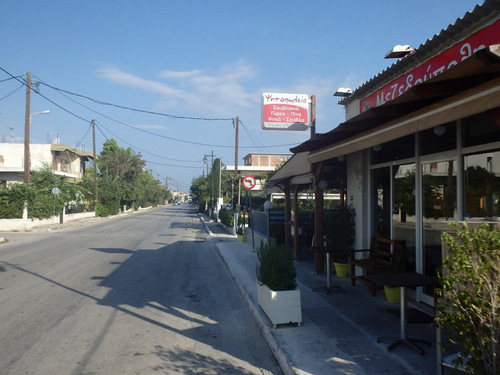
65, 161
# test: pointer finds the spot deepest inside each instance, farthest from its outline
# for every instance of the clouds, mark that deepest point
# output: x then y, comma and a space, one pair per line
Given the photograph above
228, 91
196, 92
117, 76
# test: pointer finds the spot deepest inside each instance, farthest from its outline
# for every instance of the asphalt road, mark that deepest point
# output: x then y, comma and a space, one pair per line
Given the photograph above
141, 294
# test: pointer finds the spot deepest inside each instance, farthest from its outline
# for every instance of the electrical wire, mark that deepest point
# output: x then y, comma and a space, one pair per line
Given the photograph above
159, 114
8, 79
20, 87
142, 150
138, 110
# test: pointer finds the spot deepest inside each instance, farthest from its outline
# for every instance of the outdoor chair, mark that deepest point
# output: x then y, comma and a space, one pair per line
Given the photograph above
380, 255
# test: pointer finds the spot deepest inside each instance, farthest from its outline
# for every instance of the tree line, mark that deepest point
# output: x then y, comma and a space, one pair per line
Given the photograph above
123, 182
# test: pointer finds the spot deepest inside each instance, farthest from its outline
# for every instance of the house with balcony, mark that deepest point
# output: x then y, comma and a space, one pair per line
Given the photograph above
257, 164
66, 161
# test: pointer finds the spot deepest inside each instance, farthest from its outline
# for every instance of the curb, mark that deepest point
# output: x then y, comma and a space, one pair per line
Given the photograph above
282, 358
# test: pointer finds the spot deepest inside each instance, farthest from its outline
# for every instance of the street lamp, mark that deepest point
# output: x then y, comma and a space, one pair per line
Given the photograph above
399, 51
27, 157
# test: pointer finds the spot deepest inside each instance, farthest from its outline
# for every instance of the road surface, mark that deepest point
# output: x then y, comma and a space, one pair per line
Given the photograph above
146, 293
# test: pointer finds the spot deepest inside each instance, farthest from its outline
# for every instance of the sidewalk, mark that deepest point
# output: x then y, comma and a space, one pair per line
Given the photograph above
339, 331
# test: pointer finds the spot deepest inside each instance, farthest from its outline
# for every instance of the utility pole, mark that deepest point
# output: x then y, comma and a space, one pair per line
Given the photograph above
235, 179
27, 158
95, 165
313, 116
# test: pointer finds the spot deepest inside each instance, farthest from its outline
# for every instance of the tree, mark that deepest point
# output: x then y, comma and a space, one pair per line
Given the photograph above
201, 189
124, 180
117, 161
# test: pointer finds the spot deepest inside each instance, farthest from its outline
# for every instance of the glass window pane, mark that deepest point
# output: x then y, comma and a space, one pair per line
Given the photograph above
382, 202
439, 200
399, 149
403, 209
439, 138
482, 185
482, 128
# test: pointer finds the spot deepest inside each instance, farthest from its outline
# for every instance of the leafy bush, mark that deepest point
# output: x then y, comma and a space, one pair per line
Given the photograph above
12, 201
276, 268
41, 203
227, 217
471, 288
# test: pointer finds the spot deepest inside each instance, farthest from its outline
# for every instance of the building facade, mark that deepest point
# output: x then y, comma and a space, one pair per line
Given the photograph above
64, 160
421, 142
255, 164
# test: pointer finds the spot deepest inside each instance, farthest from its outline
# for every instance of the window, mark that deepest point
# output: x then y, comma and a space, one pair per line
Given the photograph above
481, 128
482, 185
401, 148
438, 139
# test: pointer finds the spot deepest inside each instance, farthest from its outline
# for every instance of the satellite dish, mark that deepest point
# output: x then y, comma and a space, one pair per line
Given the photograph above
57, 141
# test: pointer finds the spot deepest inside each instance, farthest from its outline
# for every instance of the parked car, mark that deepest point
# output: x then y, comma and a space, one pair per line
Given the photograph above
177, 203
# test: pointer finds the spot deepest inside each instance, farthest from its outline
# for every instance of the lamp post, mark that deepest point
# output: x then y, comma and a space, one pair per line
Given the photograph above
205, 160
27, 157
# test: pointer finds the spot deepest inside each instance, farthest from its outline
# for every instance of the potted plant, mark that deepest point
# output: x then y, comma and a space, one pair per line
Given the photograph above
277, 291
339, 231
399, 264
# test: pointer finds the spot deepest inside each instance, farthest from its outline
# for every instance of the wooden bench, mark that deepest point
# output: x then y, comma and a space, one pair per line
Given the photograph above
380, 255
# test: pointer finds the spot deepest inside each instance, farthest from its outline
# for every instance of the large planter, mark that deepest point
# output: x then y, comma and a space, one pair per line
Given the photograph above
393, 294
341, 269
281, 307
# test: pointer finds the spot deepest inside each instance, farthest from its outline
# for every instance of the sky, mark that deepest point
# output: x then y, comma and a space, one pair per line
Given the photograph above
167, 78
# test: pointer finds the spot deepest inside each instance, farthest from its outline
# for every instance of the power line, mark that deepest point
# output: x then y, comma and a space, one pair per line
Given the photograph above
138, 110
20, 87
159, 114
144, 151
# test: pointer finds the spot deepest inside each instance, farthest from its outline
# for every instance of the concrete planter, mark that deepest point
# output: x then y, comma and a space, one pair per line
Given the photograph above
281, 307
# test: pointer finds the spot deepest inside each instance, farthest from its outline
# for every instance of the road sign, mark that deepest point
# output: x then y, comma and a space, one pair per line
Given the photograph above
249, 182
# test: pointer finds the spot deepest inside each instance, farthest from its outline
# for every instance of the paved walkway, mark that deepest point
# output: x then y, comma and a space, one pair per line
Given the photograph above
339, 331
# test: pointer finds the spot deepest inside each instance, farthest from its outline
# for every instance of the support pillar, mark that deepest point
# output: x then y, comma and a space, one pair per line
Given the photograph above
318, 217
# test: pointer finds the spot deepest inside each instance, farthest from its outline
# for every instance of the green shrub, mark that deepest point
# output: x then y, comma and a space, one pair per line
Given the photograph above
471, 290
12, 201
276, 268
227, 217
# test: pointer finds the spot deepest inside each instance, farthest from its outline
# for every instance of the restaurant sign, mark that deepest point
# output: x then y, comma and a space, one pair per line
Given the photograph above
459, 52
285, 111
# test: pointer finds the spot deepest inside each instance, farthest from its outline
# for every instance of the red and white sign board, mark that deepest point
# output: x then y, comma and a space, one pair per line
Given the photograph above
285, 111
249, 182
452, 56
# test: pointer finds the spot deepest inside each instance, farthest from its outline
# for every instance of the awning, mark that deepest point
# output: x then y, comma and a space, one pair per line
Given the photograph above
470, 87
296, 171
